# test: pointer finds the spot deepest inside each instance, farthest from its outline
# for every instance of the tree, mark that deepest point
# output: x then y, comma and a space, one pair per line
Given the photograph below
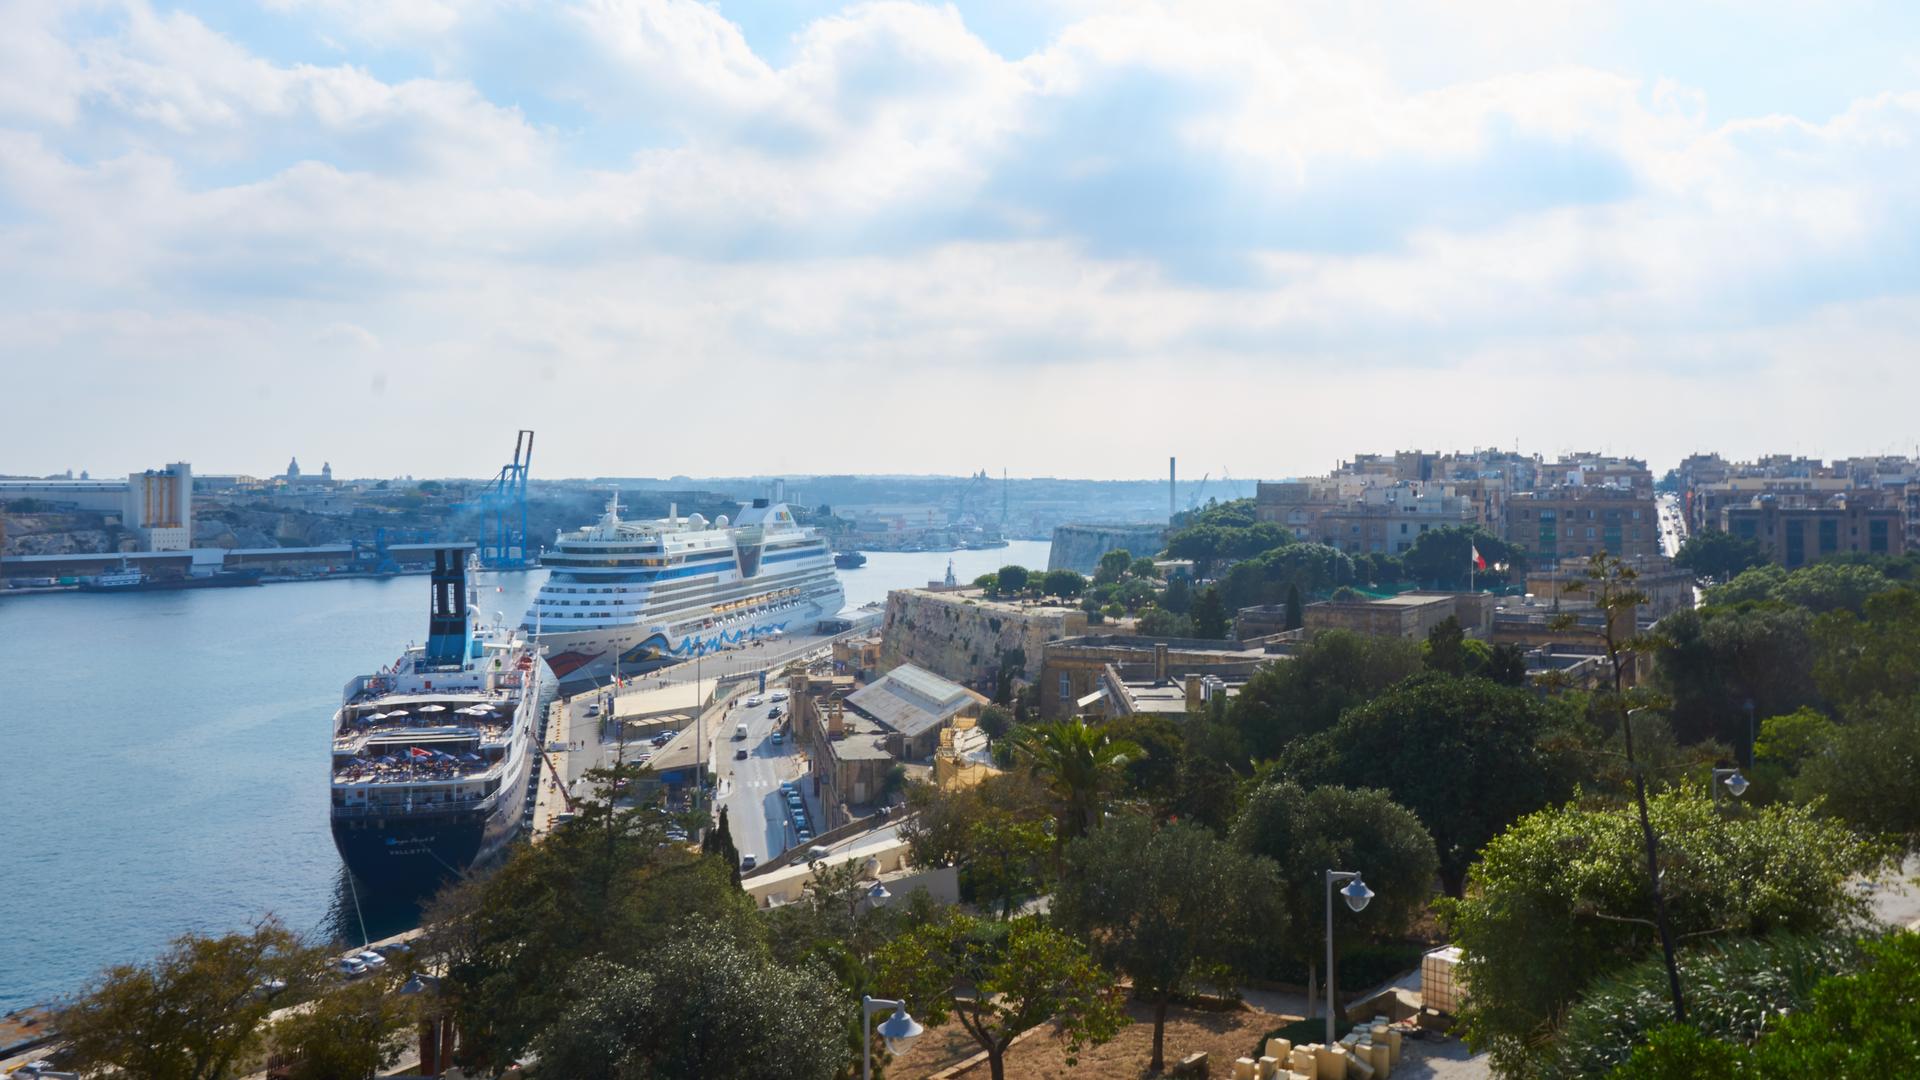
1296, 613
1718, 556
1144, 569
1446, 649
1158, 622
1610, 582
1710, 662
1266, 577
988, 583
1006, 856
1112, 566
1859, 1025
1874, 656
1210, 615
1336, 671
1079, 764
1065, 584
1562, 898
1864, 772
1177, 597
1443, 557
1467, 756
349, 1033
718, 841
701, 1004
197, 1012
1013, 579
1308, 832
605, 886
995, 721
1170, 907
998, 980
1820, 587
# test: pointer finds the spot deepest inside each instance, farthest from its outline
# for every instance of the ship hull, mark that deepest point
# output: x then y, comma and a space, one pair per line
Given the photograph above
577, 658
415, 853
228, 580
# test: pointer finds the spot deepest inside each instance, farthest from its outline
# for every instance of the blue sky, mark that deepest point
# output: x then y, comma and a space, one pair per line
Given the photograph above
1062, 238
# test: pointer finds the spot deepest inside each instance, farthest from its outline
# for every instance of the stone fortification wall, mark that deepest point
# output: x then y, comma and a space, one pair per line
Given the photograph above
1079, 547
964, 637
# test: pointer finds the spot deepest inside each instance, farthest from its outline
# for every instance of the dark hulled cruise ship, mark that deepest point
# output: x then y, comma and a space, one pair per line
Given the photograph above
432, 755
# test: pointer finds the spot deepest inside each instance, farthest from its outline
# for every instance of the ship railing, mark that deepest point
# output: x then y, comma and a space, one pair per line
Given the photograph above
414, 809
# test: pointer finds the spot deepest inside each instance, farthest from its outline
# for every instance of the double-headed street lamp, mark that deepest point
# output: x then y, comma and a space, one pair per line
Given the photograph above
1357, 895
899, 1030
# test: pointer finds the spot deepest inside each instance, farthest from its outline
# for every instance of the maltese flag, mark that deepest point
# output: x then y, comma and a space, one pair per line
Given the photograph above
1479, 561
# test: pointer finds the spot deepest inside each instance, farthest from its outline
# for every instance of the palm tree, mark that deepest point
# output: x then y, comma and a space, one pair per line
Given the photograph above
1079, 764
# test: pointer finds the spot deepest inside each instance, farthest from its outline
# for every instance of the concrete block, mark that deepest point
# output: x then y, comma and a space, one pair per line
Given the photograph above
1266, 1067
1193, 1066
1301, 1060
1243, 1069
1279, 1048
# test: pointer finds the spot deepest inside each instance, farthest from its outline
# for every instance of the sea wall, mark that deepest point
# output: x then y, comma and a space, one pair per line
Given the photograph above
1079, 547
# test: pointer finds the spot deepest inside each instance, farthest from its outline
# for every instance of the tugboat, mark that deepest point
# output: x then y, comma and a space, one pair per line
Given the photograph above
431, 755
849, 560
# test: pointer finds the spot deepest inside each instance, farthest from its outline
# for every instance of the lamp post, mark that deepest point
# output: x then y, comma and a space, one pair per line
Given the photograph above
436, 1038
1736, 784
1357, 895
1750, 734
899, 1030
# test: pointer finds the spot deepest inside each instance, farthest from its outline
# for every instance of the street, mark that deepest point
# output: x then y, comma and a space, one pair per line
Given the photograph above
750, 788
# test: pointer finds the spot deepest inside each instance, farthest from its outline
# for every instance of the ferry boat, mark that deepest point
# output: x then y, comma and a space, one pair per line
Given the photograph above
432, 755
849, 560
131, 579
621, 594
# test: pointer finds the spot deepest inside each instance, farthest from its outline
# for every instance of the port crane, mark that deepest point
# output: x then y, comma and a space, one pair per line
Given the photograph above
503, 512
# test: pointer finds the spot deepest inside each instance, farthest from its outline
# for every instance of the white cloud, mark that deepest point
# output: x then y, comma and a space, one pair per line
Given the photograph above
1242, 210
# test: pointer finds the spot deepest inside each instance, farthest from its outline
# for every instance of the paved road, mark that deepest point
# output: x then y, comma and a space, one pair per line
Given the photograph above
756, 808
1673, 529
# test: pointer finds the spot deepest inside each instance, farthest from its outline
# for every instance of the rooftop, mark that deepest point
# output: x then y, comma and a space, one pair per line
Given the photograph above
912, 700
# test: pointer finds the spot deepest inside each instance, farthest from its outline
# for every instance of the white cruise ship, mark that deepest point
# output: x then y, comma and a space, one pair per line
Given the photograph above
621, 593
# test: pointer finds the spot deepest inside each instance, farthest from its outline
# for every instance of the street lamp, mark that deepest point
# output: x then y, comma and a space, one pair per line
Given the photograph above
1357, 896
899, 1030
436, 1035
1735, 783
1750, 733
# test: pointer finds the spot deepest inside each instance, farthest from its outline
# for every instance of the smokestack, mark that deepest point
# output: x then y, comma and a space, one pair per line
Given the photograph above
1170, 488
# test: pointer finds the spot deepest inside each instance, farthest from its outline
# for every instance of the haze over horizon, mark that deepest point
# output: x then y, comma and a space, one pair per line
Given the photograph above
1062, 238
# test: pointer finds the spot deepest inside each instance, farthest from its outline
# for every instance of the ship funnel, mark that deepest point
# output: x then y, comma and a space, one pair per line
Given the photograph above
449, 628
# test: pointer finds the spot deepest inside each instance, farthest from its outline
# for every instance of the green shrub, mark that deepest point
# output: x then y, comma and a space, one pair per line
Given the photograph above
1735, 992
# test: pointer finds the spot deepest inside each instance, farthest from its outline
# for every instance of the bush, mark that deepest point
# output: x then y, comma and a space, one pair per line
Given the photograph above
1735, 991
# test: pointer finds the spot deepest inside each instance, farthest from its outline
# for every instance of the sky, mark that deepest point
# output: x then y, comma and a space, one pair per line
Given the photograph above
1054, 237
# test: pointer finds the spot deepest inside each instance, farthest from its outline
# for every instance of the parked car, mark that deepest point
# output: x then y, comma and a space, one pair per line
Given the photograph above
372, 959
662, 739
351, 966
747, 861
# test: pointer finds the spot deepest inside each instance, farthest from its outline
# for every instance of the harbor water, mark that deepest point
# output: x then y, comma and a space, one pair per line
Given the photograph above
167, 757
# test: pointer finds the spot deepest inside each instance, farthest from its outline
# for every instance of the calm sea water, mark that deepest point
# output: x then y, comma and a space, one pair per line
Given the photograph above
166, 754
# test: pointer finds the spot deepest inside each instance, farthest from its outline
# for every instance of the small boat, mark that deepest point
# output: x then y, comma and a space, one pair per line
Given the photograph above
849, 560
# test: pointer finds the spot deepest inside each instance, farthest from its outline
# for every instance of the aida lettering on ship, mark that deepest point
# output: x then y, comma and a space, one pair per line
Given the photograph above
626, 592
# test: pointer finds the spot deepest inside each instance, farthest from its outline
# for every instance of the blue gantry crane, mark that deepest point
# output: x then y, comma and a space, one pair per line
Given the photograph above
503, 512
